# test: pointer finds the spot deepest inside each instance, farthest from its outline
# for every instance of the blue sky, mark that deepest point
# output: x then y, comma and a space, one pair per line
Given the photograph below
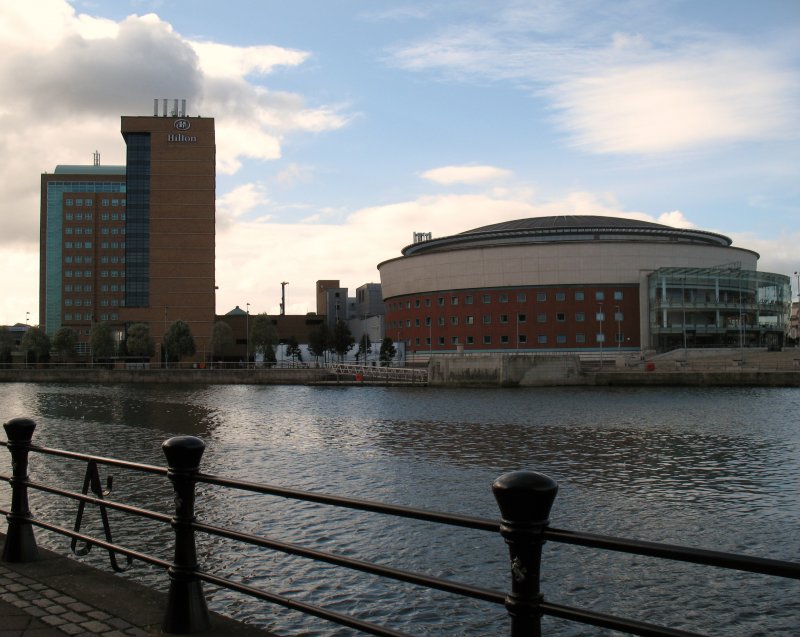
343, 127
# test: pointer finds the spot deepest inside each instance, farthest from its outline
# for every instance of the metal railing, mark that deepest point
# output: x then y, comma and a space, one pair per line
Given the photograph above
524, 498
370, 373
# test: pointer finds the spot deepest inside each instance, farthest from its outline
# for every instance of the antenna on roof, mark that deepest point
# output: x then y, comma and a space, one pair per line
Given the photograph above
175, 111
96, 158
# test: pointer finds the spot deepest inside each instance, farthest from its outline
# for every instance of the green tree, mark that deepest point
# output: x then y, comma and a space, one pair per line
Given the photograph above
7, 344
222, 340
263, 337
178, 341
319, 341
64, 341
343, 340
139, 342
101, 340
388, 351
364, 347
36, 345
293, 349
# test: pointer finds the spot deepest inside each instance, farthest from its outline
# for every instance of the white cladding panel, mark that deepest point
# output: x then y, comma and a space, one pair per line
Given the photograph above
548, 264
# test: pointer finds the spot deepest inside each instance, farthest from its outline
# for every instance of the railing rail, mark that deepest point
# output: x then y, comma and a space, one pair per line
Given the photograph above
524, 498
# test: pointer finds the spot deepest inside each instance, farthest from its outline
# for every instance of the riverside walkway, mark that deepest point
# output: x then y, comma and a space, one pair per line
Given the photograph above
57, 596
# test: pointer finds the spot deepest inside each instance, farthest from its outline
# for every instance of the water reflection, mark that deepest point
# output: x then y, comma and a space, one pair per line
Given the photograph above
715, 468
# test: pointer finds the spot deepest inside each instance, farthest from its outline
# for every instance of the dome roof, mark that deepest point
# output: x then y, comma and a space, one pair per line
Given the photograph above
566, 228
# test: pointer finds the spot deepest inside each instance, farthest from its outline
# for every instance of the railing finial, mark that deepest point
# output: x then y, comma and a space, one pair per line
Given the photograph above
525, 499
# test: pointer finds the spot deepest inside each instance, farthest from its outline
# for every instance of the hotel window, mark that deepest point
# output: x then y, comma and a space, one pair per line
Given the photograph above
87, 287
440, 301
618, 316
87, 245
104, 302
103, 273
115, 216
579, 296
470, 340
453, 320
416, 302
67, 288
114, 288
504, 298
78, 302
469, 320
89, 216
523, 338
79, 202
600, 316
68, 317
542, 339
87, 274
618, 295
114, 316
78, 316
68, 274
487, 298
69, 202
619, 337
441, 340
580, 337
599, 296
79, 259
68, 245
408, 322
427, 340
561, 317
104, 230
78, 216
601, 338
541, 318
468, 299
453, 300
487, 340
104, 317
427, 302
416, 341
504, 318
115, 302
416, 322
427, 321
521, 297
580, 317
115, 202
541, 296
504, 339
67, 259
561, 338
440, 321
522, 318
68, 230
104, 202
560, 296
67, 302
454, 340
103, 259
487, 318
408, 305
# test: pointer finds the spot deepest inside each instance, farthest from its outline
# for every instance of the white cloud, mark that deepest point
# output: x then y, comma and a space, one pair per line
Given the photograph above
731, 96
233, 205
448, 175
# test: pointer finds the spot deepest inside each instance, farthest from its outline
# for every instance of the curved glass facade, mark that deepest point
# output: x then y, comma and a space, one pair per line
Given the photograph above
717, 307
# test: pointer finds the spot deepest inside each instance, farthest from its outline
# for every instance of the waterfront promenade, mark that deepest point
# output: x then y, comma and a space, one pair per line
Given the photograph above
59, 596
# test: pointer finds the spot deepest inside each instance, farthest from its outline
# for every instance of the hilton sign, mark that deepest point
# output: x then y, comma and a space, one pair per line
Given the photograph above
182, 125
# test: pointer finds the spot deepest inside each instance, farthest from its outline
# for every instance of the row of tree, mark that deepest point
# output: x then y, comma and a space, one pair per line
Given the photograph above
178, 342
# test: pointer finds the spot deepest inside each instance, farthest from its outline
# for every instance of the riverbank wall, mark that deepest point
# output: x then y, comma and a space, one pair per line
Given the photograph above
509, 370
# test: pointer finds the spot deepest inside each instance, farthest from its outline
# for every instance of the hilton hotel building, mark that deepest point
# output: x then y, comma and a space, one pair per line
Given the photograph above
134, 243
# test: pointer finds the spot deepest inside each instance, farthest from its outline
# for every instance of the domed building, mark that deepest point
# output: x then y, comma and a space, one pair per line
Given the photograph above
580, 283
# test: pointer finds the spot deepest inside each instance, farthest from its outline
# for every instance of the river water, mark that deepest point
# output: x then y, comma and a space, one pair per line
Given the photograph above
711, 468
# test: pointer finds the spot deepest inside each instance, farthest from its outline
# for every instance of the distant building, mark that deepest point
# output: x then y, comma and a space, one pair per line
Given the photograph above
134, 243
581, 283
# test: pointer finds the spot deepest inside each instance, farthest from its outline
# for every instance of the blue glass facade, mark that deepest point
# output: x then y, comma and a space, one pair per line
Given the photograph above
137, 247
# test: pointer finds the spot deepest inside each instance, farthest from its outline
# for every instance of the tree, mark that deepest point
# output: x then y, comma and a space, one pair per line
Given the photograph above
388, 351
221, 339
178, 341
7, 343
64, 342
36, 345
319, 341
101, 340
263, 337
364, 346
139, 341
293, 349
343, 340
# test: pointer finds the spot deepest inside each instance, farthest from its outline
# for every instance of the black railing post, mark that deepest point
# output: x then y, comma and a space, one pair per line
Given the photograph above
524, 498
20, 544
186, 606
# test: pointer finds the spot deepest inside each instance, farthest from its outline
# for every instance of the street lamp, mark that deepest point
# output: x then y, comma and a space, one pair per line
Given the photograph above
28, 316
247, 336
600, 336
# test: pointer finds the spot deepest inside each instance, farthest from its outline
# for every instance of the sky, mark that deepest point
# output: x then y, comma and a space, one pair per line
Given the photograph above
344, 126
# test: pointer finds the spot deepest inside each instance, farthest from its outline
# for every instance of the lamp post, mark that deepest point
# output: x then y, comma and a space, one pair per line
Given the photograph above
619, 327
247, 336
600, 336
28, 315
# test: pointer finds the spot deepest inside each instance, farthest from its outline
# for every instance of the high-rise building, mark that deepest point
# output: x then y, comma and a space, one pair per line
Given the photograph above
134, 243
